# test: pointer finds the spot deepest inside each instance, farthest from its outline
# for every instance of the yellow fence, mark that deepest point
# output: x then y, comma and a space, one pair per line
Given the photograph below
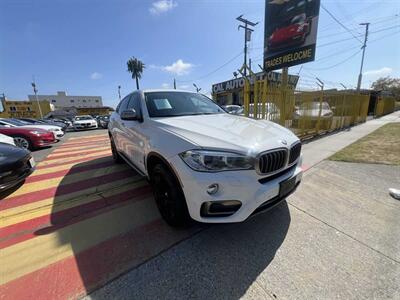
307, 113
384, 106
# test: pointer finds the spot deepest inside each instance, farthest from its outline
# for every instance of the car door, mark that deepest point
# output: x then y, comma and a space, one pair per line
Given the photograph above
117, 124
134, 138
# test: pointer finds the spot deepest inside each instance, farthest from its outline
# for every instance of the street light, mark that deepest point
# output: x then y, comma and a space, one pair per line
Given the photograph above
37, 100
197, 88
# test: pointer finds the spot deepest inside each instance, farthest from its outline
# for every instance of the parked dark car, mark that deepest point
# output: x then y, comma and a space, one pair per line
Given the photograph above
45, 122
29, 138
102, 121
15, 165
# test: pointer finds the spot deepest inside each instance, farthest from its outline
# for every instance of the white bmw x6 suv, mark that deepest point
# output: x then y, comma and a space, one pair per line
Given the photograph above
203, 163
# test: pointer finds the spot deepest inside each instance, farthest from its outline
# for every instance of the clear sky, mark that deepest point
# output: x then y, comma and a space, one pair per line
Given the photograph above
81, 46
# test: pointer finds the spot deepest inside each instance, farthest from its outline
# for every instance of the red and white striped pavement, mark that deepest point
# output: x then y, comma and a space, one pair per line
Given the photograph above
77, 222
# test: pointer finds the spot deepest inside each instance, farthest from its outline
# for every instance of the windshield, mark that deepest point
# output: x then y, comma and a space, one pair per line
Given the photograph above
83, 118
173, 104
16, 122
299, 19
315, 105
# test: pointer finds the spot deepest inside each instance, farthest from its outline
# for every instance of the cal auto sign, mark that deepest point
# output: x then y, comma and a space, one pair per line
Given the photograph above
238, 83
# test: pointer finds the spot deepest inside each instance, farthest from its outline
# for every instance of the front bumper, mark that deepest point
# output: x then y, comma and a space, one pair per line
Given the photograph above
243, 186
83, 127
58, 134
16, 177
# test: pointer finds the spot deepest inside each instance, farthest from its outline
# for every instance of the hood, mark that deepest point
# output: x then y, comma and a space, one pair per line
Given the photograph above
10, 155
44, 127
85, 121
229, 132
285, 33
313, 112
21, 129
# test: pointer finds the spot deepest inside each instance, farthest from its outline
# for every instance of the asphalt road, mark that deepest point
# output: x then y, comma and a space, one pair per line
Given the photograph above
337, 237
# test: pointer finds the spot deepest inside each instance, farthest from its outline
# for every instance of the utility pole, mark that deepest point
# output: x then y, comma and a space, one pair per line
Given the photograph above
321, 98
197, 88
37, 100
247, 36
174, 84
119, 92
362, 59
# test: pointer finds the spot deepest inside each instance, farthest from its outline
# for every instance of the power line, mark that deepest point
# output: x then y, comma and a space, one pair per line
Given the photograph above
328, 27
259, 57
337, 64
384, 29
340, 23
360, 35
384, 36
212, 72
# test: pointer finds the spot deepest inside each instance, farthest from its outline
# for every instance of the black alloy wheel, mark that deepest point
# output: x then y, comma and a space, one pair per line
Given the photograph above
169, 197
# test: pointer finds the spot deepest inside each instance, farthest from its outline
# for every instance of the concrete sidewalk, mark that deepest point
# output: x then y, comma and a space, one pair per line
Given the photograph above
319, 149
337, 237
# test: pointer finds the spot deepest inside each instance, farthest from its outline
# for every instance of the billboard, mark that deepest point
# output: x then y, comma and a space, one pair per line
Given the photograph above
290, 32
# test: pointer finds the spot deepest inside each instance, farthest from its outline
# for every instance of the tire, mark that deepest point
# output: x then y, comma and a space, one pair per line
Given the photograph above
169, 197
116, 156
23, 142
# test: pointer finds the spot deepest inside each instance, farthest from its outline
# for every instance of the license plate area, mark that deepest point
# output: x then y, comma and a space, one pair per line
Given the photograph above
32, 162
287, 186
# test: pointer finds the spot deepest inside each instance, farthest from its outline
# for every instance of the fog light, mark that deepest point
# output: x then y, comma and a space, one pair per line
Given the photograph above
212, 188
221, 208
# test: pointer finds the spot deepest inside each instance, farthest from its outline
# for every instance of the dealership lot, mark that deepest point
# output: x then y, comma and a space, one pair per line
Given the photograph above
337, 237
80, 221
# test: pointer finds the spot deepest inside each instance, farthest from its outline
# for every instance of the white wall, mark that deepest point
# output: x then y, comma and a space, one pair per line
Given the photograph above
63, 100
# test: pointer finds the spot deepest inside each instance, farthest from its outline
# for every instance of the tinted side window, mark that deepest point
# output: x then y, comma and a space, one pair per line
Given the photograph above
135, 103
123, 104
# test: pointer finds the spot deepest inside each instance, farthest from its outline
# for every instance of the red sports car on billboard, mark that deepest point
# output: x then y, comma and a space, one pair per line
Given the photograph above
293, 32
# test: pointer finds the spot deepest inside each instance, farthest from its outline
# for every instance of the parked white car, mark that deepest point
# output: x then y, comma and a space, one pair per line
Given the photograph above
232, 108
56, 130
311, 110
202, 162
5, 139
84, 122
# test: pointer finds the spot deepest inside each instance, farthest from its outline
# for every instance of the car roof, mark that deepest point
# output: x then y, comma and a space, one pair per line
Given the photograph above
165, 90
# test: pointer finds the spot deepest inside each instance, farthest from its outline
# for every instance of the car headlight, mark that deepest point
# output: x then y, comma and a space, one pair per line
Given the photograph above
35, 132
214, 161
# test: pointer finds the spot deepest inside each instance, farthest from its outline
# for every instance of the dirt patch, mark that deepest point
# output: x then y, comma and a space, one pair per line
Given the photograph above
381, 146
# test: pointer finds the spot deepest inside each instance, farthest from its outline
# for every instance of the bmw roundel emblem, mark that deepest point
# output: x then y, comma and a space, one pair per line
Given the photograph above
284, 142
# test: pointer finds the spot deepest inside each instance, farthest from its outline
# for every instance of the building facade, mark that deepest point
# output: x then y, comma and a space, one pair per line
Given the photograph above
62, 100
231, 91
24, 109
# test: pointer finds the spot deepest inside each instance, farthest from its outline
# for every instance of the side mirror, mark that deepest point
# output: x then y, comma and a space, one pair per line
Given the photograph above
130, 115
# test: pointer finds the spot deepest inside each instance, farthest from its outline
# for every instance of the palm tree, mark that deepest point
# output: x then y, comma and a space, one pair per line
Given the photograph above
135, 67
